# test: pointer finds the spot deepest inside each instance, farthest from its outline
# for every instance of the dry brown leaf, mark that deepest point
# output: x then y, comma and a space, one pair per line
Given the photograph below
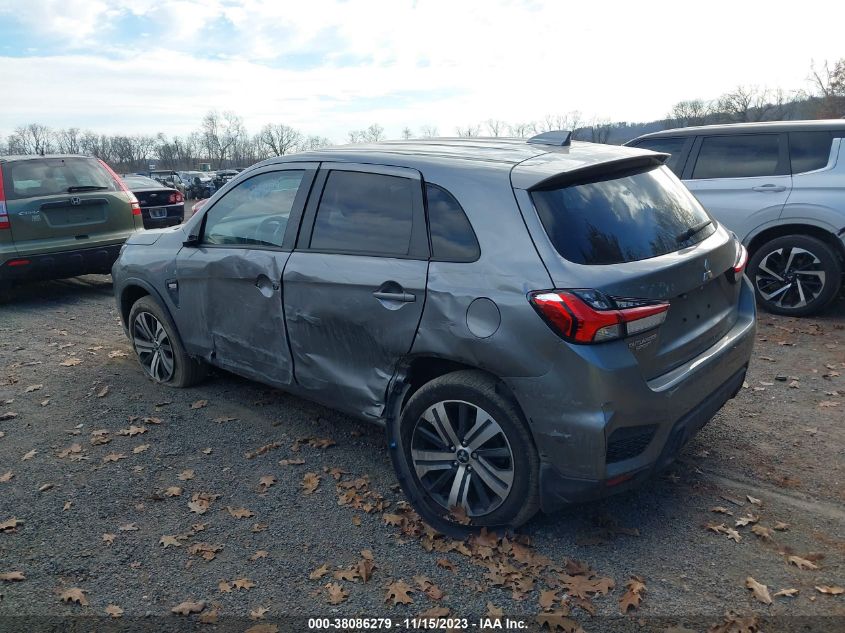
169, 541
746, 520
188, 607
67, 505
29, 455
633, 596
128, 527
547, 599
12, 576
780, 526
140, 448
788, 593
310, 483
240, 513
206, 451
108, 539
337, 594
365, 568
266, 481
113, 457
262, 553
356, 520
10, 525
559, 620
763, 532
114, 611
70, 362
45, 487
802, 563
398, 592
296, 461
445, 563
209, 617
761, 591
754, 500
493, 611
6, 477
32, 388
172, 491
102, 393
721, 510
243, 583
318, 573
258, 613
733, 535
224, 587
74, 594
832, 591
185, 475
199, 404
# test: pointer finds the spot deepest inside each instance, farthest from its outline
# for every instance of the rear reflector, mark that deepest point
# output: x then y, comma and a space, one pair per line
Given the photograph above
18, 262
4, 217
739, 265
589, 316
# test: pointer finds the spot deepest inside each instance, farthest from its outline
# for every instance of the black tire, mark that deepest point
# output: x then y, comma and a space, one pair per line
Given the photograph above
806, 257
186, 371
479, 390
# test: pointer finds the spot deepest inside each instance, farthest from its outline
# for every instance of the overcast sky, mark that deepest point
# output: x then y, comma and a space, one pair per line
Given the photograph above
328, 66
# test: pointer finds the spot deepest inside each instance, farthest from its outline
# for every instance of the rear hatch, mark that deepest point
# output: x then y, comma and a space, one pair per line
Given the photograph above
635, 232
56, 203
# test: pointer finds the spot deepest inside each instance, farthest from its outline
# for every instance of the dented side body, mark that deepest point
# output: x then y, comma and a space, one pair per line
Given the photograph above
310, 322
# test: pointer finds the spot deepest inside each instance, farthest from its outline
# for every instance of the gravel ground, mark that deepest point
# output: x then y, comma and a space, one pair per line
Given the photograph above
776, 452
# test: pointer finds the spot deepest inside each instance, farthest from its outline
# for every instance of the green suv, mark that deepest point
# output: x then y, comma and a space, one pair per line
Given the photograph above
61, 216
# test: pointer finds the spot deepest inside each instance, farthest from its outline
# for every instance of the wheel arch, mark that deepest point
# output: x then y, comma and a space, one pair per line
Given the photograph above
796, 228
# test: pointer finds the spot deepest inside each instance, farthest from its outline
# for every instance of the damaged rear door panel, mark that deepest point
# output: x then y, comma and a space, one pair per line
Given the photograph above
355, 285
229, 286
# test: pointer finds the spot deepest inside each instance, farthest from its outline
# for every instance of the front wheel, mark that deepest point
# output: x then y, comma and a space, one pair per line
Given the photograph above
463, 452
158, 347
795, 275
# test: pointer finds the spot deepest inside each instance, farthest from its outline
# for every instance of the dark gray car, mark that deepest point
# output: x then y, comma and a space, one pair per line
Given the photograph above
533, 323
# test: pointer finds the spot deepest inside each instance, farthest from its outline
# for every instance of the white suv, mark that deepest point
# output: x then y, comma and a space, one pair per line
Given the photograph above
780, 187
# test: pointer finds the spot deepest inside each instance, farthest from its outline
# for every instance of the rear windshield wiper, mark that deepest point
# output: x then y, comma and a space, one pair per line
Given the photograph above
85, 188
683, 237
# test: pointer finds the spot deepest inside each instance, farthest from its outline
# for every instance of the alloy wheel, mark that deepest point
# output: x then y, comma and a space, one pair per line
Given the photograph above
462, 457
153, 346
790, 277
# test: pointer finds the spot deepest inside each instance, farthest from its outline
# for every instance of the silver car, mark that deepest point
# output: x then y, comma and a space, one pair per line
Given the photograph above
533, 323
781, 188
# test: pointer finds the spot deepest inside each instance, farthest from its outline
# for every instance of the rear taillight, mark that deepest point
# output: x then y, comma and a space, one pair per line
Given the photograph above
136, 206
117, 179
4, 216
589, 316
175, 198
736, 272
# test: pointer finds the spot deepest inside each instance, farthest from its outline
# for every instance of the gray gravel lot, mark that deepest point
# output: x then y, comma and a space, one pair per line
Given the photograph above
780, 443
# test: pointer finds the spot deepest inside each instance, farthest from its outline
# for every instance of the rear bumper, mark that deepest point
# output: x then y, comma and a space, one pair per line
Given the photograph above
85, 261
595, 419
557, 490
174, 215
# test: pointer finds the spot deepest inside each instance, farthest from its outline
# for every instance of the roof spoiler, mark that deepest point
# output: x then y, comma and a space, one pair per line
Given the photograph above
558, 138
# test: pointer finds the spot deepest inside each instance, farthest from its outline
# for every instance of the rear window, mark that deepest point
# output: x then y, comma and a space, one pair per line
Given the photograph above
52, 176
809, 150
626, 217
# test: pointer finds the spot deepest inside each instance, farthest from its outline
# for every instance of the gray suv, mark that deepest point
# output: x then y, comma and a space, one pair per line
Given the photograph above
534, 323
781, 188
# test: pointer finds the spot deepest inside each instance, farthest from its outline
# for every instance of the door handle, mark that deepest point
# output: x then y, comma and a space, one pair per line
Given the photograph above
769, 188
404, 297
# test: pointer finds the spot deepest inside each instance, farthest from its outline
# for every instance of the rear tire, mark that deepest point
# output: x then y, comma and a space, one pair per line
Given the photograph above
159, 348
795, 275
486, 460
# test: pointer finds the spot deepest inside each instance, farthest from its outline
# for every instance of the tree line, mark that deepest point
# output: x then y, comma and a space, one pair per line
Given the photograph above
223, 140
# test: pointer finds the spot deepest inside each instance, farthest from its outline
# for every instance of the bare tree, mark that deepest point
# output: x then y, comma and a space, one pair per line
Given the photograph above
280, 139
746, 103
600, 130
407, 133
69, 140
830, 83
374, 133
315, 142
496, 127
429, 131
220, 134
690, 112
33, 138
521, 130
470, 131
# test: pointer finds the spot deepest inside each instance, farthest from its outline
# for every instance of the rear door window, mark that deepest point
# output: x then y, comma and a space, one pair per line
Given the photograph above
452, 237
365, 213
673, 146
809, 150
738, 156
628, 216
37, 177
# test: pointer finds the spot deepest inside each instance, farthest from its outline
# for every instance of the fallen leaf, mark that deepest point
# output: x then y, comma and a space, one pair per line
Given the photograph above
133, 430
733, 535
199, 404
763, 532
114, 611
108, 539
6, 477
633, 596
802, 563
102, 393
169, 541
318, 573
32, 388
74, 594
336, 592
240, 513
113, 457
140, 448
45, 487
12, 576
67, 505
747, 520
262, 553
206, 451
555, 620
445, 563
29, 455
9, 415
721, 510
116, 353
780, 526
258, 613
833, 591
9, 525
310, 483
398, 592
753, 500
223, 419
787, 593
547, 599
70, 362
296, 461
172, 491
209, 617
128, 527
761, 591
243, 583
266, 481
493, 611
185, 475
188, 607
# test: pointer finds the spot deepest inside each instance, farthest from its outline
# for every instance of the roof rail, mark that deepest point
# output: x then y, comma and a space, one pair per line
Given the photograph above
561, 138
